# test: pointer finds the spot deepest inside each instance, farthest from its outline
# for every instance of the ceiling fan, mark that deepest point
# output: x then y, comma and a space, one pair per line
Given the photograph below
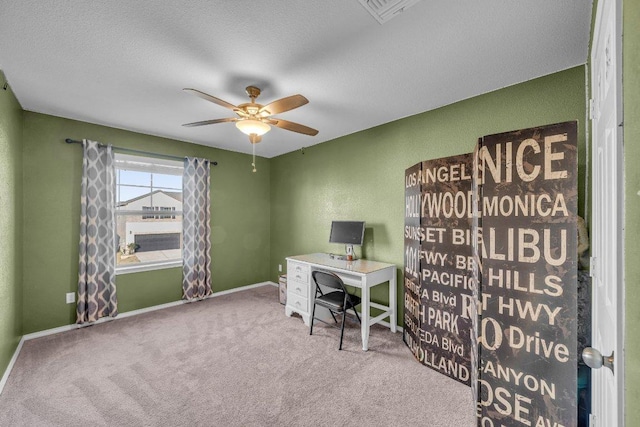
256, 119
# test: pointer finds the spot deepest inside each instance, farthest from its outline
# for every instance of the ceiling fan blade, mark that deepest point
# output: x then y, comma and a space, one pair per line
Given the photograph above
295, 127
210, 122
210, 98
284, 104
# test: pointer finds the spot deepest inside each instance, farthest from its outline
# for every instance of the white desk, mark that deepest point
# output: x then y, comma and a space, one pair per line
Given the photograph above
362, 273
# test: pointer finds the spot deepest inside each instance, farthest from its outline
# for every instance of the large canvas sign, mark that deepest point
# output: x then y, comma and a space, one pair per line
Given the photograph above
527, 235
490, 275
439, 277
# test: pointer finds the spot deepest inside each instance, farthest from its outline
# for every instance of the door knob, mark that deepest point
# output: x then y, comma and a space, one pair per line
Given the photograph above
595, 360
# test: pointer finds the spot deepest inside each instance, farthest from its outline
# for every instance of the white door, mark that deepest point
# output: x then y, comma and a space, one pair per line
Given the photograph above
607, 282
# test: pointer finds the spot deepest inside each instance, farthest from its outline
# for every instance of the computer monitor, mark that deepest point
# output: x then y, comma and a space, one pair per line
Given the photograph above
348, 233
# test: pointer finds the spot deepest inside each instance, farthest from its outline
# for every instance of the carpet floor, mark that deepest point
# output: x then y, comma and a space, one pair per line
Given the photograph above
234, 360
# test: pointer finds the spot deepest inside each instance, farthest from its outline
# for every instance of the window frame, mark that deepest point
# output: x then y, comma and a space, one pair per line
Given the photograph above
155, 213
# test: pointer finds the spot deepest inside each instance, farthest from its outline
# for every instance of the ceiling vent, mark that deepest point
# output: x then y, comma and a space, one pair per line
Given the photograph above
384, 10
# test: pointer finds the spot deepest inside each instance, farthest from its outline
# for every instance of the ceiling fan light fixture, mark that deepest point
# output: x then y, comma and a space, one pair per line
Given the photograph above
249, 126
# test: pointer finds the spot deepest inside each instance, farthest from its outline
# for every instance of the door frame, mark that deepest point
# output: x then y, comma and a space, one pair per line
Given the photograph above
620, 218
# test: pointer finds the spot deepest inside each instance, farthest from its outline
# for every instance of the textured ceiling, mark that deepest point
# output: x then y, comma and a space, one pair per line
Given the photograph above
124, 63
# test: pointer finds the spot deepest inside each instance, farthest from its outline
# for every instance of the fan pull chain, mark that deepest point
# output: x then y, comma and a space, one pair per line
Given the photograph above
253, 149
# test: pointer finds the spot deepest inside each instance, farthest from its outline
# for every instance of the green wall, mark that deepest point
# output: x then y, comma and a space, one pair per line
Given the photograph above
357, 176
631, 97
52, 171
361, 176
10, 224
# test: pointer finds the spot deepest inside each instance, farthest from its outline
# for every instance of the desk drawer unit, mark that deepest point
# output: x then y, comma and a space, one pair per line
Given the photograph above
298, 272
298, 289
297, 303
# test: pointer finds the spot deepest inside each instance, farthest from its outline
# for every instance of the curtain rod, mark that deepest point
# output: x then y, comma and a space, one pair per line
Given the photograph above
130, 150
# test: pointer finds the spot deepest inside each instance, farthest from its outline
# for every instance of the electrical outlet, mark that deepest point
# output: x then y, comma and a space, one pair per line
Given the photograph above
71, 297
280, 268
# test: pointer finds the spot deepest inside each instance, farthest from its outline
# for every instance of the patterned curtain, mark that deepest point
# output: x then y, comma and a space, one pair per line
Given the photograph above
196, 229
96, 270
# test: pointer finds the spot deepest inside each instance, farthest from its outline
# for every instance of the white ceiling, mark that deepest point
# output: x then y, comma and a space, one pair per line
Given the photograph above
123, 63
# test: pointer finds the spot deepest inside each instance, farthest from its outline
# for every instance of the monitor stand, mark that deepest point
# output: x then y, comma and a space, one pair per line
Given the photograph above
351, 254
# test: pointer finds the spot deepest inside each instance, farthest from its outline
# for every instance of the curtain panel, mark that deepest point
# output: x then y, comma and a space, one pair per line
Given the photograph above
196, 229
96, 269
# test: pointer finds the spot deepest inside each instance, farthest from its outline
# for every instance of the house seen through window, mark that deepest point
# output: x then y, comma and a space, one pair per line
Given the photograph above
148, 212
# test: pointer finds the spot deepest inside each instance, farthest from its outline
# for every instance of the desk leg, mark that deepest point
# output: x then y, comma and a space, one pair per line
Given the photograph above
393, 305
365, 315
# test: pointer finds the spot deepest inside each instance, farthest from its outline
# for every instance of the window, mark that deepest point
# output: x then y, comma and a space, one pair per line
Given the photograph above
148, 213
156, 208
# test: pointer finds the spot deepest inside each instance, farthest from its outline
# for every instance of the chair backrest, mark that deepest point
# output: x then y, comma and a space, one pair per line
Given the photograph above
329, 280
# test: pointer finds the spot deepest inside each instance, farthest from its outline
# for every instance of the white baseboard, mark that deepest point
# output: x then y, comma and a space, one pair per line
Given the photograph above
242, 288
12, 362
124, 315
66, 328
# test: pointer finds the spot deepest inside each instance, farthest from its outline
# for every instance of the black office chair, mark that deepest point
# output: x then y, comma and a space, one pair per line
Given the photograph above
338, 301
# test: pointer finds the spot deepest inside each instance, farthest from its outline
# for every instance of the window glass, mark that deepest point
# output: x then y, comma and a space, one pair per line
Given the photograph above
168, 181
148, 211
128, 177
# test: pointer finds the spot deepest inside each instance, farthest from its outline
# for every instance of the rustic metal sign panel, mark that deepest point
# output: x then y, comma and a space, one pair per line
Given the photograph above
439, 280
527, 195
